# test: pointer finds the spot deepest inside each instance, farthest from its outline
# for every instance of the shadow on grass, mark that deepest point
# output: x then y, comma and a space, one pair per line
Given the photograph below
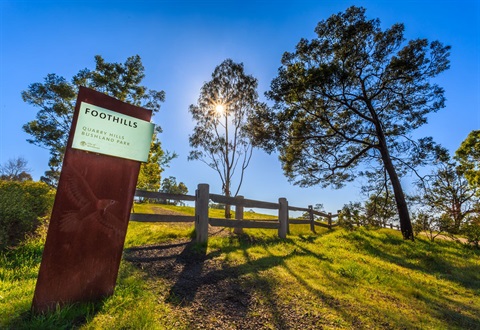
230, 292
421, 256
200, 270
243, 291
429, 258
152, 253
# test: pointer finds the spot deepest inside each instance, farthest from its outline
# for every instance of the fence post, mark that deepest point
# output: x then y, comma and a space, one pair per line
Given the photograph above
238, 215
329, 220
312, 218
288, 218
283, 217
201, 212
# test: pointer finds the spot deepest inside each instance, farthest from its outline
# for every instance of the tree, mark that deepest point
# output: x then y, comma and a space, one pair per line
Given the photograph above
15, 170
318, 207
448, 197
170, 186
352, 96
377, 211
468, 154
150, 172
380, 209
431, 224
56, 97
351, 215
219, 138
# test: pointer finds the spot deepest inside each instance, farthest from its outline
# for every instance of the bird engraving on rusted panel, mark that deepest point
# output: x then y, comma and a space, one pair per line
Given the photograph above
88, 207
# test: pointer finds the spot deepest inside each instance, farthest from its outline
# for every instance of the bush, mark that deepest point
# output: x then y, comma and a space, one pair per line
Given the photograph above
432, 225
472, 232
351, 216
22, 204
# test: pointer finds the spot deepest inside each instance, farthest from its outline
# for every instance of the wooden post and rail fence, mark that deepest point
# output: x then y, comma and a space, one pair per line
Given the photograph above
202, 220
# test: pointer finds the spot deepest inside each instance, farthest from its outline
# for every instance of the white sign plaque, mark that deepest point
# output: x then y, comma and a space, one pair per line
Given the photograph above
111, 133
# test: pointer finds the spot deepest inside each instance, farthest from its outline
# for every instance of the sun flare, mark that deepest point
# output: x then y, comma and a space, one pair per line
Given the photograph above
220, 109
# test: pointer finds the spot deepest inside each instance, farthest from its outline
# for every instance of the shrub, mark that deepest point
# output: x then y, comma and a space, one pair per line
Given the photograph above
432, 225
472, 232
21, 206
351, 216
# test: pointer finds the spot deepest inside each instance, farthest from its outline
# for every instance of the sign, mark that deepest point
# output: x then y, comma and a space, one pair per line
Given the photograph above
94, 198
111, 133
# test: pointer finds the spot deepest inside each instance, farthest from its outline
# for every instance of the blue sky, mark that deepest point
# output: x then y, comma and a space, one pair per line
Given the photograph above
181, 42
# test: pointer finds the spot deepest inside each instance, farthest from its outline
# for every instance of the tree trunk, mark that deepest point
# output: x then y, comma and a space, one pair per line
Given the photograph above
228, 214
402, 208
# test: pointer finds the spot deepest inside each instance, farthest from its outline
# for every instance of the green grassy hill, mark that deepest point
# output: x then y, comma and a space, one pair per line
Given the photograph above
334, 279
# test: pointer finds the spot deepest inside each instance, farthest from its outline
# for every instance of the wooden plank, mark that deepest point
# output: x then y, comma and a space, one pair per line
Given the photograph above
325, 225
143, 217
266, 220
294, 208
299, 222
159, 195
259, 204
223, 199
245, 202
243, 223
321, 214
320, 224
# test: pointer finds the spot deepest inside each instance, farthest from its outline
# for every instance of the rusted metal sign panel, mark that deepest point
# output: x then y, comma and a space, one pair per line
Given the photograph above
92, 206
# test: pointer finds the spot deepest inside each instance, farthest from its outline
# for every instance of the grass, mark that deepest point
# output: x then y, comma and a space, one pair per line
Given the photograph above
334, 279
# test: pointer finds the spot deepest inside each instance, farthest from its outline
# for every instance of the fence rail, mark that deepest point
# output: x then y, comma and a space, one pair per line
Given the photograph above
243, 202
143, 217
202, 221
243, 223
159, 195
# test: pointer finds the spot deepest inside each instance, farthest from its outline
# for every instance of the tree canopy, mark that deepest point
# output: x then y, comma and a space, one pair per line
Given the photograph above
15, 170
351, 96
170, 186
150, 172
468, 154
56, 97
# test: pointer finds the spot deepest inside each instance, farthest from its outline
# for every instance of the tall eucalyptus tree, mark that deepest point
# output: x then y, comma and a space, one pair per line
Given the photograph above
219, 138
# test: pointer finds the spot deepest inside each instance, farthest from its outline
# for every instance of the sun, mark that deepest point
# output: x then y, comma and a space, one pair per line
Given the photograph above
220, 109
